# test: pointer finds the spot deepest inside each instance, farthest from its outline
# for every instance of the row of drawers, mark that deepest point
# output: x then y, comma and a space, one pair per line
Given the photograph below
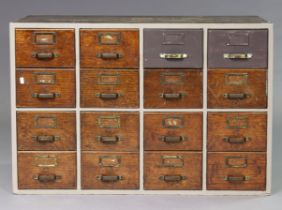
163, 48
162, 170
163, 88
119, 131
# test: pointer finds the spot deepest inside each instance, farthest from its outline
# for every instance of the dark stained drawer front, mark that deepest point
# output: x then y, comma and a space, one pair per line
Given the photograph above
173, 88
46, 131
173, 131
110, 131
109, 48
245, 131
236, 171
238, 48
45, 48
109, 88
230, 88
45, 88
47, 170
172, 171
110, 170
173, 48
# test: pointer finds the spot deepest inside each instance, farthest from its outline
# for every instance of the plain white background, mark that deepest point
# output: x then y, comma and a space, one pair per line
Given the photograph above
11, 10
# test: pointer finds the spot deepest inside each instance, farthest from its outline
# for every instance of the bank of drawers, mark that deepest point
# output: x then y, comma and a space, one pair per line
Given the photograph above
173, 78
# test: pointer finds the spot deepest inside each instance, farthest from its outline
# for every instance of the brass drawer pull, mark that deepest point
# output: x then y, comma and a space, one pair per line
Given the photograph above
171, 96
46, 95
108, 139
235, 96
109, 55
104, 178
172, 139
236, 178
44, 55
236, 140
241, 56
47, 178
46, 139
173, 55
172, 178
107, 96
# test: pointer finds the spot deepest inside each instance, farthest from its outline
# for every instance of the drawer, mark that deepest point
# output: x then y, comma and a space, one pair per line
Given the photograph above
110, 131
245, 131
110, 88
45, 88
39, 48
173, 48
242, 88
46, 131
56, 170
173, 88
109, 48
238, 48
173, 131
117, 170
172, 170
236, 171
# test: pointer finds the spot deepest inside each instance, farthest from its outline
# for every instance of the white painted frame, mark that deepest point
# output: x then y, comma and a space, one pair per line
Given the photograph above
205, 110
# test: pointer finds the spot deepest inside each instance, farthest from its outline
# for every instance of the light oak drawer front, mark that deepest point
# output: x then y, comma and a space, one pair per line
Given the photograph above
44, 88
230, 88
109, 88
172, 171
113, 170
45, 48
173, 48
237, 131
46, 131
173, 88
236, 171
110, 131
54, 170
173, 131
109, 48
238, 48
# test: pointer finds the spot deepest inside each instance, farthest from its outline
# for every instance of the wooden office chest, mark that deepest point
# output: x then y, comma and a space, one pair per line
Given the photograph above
141, 105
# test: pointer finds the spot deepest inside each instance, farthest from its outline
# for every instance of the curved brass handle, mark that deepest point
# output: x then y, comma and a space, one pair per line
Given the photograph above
236, 178
46, 139
47, 178
108, 139
172, 139
109, 55
111, 178
46, 95
236, 140
241, 56
107, 96
172, 178
235, 96
171, 96
44, 55
173, 55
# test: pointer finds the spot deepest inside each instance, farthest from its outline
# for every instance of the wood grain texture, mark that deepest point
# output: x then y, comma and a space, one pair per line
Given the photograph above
128, 47
64, 47
189, 83
30, 165
219, 168
154, 169
255, 131
252, 82
125, 83
27, 84
190, 130
96, 164
127, 131
32, 125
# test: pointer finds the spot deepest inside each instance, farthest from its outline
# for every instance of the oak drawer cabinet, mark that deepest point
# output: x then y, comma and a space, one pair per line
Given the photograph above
141, 105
